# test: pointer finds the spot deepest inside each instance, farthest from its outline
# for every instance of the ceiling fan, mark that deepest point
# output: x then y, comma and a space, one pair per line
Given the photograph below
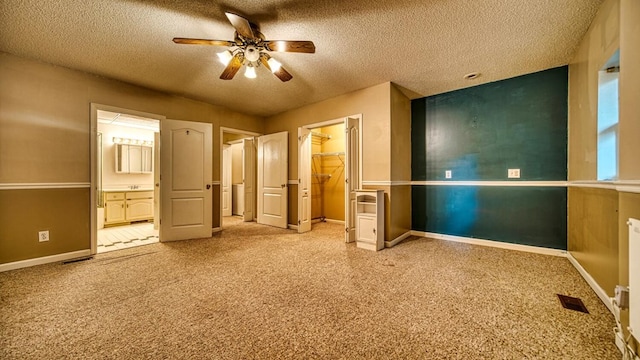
251, 49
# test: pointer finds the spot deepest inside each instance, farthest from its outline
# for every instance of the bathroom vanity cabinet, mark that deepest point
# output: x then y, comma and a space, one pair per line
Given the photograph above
127, 206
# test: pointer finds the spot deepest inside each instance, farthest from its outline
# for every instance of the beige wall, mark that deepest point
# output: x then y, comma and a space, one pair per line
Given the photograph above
593, 233
629, 130
386, 145
63, 212
598, 234
400, 196
400, 136
598, 45
45, 122
629, 126
374, 105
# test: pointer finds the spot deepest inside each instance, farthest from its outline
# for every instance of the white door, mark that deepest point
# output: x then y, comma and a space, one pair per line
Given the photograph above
249, 178
304, 180
351, 178
156, 180
186, 195
273, 165
226, 180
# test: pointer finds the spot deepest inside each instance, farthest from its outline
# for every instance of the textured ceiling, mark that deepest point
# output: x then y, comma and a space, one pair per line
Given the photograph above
425, 46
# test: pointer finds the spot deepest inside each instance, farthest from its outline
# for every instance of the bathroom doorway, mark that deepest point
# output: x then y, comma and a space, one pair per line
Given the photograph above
125, 172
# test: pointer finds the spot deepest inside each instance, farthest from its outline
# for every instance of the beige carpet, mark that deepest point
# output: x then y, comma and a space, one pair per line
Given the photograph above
256, 292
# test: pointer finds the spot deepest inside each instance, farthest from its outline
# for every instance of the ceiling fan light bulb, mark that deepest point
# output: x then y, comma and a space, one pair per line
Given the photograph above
250, 72
225, 57
274, 64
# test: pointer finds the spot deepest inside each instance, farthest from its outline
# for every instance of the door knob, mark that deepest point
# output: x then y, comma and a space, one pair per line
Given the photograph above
283, 185
208, 186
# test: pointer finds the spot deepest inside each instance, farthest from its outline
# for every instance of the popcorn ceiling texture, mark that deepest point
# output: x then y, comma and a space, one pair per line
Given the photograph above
256, 292
424, 46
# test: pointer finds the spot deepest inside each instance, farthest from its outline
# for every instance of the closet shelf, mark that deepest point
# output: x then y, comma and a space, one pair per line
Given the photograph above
339, 153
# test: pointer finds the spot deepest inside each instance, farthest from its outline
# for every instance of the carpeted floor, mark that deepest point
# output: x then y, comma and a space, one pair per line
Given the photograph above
254, 292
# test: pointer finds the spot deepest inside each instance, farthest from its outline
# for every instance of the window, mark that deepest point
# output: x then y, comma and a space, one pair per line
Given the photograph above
608, 120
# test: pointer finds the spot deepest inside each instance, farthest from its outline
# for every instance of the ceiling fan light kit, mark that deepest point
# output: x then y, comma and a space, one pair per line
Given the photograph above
225, 57
250, 72
251, 50
274, 65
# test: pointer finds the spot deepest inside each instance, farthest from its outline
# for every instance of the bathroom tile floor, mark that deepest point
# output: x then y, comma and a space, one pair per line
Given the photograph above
122, 237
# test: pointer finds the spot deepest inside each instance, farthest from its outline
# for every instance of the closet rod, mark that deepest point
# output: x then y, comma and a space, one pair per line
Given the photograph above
340, 153
322, 135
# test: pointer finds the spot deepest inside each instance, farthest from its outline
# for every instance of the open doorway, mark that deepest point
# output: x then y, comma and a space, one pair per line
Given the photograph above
124, 173
329, 173
238, 169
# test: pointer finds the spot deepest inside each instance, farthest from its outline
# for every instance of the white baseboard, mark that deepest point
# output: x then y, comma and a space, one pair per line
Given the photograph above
397, 240
292, 227
44, 260
216, 230
594, 285
492, 243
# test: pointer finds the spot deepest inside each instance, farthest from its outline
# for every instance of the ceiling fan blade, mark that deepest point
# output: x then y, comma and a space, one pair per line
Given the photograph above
232, 68
189, 41
281, 73
242, 25
290, 46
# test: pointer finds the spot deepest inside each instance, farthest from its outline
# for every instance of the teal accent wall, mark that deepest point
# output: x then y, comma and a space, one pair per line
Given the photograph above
524, 215
480, 132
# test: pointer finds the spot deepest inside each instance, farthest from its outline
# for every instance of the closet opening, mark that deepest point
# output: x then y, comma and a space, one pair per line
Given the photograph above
327, 174
329, 158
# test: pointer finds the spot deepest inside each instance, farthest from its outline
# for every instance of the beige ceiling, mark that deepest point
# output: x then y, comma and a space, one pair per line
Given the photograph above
426, 47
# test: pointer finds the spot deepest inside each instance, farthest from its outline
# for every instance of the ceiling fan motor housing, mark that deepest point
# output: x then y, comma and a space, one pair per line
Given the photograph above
251, 53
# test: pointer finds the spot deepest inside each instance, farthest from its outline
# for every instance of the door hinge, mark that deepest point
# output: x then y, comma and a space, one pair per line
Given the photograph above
298, 222
346, 229
346, 180
299, 138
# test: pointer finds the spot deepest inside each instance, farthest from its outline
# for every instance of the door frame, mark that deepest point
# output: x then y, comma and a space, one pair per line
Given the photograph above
340, 120
224, 130
226, 169
93, 160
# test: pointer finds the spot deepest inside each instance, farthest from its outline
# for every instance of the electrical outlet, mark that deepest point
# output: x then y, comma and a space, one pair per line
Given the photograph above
43, 235
447, 174
513, 173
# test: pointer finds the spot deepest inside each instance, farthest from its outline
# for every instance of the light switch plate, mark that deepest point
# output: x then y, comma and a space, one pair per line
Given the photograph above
513, 173
447, 174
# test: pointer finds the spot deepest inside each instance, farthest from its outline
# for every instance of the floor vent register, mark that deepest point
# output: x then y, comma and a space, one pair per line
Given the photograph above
572, 303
